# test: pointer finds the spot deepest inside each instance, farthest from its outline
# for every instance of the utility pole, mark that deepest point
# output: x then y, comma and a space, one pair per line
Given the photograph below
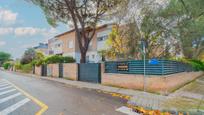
144, 58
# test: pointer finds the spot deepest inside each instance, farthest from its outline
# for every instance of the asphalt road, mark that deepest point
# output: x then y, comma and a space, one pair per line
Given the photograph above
61, 99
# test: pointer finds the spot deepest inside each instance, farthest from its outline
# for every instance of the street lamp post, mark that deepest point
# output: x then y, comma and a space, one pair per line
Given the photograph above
144, 58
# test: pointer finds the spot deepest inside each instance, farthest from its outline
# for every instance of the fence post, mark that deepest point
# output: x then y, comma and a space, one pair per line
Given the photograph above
99, 72
33, 69
78, 66
162, 61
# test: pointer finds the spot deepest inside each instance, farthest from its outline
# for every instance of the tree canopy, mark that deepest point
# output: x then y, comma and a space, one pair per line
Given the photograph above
170, 28
28, 56
185, 22
4, 57
83, 15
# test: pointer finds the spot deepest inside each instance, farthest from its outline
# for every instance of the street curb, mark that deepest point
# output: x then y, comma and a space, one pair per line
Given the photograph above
80, 84
24, 74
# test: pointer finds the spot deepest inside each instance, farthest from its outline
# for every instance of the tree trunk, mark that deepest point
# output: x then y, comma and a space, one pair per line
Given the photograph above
83, 57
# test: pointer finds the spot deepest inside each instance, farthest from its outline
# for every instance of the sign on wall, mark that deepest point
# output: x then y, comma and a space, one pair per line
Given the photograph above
123, 66
153, 61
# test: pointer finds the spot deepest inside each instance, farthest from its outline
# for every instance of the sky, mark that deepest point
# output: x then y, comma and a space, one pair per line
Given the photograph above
23, 25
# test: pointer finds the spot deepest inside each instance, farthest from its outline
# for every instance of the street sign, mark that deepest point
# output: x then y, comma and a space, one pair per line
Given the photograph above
153, 61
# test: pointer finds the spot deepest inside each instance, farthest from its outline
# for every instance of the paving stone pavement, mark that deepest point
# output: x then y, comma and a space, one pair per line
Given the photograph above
147, 100
187, 94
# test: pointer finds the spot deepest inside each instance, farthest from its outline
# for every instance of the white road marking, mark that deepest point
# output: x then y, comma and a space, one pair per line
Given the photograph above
4, 85
127, 111
9, 97
5, 88
8, 91
2, 81
14, 107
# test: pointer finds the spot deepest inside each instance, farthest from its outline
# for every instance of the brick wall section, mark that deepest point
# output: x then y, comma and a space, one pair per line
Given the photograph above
50, 70
158, 84
53, 70
123, 80
38, 70
70, 71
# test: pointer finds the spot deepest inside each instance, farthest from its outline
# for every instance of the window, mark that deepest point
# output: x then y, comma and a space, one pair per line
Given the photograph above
105, 37
70, 44
58, 45
102, 38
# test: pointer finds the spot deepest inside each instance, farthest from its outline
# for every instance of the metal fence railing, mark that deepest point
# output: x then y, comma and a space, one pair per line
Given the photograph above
163, 67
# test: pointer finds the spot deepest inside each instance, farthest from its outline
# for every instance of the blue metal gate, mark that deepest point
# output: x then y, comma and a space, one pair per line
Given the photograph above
90, 72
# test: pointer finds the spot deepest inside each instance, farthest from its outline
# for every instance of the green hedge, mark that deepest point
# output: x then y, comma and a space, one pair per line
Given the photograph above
197, 65
59, 59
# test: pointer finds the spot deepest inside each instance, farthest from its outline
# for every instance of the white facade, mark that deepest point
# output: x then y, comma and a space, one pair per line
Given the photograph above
101, 39
94, 56
55, 46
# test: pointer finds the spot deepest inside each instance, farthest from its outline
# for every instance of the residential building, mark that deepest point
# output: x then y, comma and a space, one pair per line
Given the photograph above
42, 47
66, 44
55, 46
98, 43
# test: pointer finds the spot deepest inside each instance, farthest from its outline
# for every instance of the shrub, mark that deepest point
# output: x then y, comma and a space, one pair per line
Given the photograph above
27, 68
59, 59
40, 62
196, 64
68, 59
18, 66
7, 65
39, 59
